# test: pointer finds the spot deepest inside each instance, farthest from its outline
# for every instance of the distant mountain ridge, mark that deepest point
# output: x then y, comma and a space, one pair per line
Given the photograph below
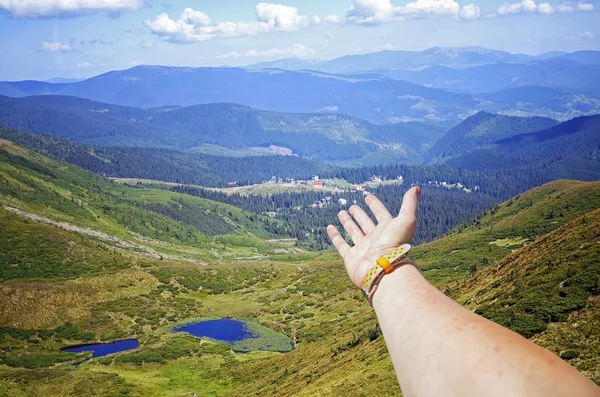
325, 137
457, 57
432, 96
276, 90
560, 73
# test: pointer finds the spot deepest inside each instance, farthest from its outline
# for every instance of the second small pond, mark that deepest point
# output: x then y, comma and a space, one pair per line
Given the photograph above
242, 335
225, 330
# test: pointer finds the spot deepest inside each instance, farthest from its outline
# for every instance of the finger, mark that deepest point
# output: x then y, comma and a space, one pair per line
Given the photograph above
410, 204
381, 213
364, 221
350, 227
338, 241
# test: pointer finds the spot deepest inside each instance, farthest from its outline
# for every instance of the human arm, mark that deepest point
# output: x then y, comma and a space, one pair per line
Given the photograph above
437, 346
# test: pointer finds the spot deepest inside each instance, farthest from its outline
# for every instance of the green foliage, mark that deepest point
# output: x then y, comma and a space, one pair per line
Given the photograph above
65, 383
264, 339
32, 250
34, 358
215, 281
566, 274
569, 354
171, 349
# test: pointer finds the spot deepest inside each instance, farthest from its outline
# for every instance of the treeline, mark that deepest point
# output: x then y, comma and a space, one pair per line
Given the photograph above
440, 210
165, 164
215, 171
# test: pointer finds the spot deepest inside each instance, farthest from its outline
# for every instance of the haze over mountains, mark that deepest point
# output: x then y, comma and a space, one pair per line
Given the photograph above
436, 85
456, 57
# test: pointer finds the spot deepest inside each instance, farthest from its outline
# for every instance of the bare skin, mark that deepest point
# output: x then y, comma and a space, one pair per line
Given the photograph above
438, 347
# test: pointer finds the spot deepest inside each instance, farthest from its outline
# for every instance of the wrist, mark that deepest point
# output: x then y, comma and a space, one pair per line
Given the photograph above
395, 284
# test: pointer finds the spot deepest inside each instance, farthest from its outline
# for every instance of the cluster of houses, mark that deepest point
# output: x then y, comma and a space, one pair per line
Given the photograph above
327, 201
458, 186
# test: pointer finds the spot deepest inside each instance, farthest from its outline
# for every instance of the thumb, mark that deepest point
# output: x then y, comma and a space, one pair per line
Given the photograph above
410, 204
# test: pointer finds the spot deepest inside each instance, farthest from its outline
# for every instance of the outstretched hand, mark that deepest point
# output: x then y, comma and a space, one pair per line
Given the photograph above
373, 241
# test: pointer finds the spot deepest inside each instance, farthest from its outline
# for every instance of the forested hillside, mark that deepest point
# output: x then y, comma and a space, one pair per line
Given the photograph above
164, 164
574, 144
211, 127
483, 129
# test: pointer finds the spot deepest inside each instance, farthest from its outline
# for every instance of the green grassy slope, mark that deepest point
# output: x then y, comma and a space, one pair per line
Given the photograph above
65, 193
553, 281
506, 227
71, 287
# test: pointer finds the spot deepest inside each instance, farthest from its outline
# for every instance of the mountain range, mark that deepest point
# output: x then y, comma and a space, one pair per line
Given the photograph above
456, 57
559, 73
439, 84
229, 129
278, 90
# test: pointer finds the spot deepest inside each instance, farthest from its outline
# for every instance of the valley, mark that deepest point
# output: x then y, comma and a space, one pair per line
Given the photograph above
163, 228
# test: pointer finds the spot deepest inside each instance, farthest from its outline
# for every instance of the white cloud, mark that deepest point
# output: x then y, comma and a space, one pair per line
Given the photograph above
470, 11
374, 12
330, 35
545, 8
194, 26
332, 19
431, 7
297, 50
385, 47
581, 37
84, 65
66, 8
48, 46
585, 7
542, 8
370, 11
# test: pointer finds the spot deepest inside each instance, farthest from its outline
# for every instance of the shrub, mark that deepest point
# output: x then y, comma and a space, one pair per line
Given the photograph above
569, 354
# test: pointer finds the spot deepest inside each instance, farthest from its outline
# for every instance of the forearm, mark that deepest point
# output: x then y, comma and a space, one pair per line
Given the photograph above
440, 348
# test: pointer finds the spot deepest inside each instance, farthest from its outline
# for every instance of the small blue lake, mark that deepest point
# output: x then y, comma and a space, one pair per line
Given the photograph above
104, 349
225, 330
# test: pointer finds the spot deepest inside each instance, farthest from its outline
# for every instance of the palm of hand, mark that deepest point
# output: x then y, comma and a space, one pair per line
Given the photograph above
373, 241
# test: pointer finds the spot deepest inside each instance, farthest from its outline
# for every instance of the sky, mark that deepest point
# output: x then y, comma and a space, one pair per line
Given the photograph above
43, 39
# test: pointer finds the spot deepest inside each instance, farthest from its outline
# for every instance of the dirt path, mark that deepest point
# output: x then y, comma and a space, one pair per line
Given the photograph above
107, 238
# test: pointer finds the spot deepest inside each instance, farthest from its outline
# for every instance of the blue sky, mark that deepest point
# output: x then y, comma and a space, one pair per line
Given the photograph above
41, 39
